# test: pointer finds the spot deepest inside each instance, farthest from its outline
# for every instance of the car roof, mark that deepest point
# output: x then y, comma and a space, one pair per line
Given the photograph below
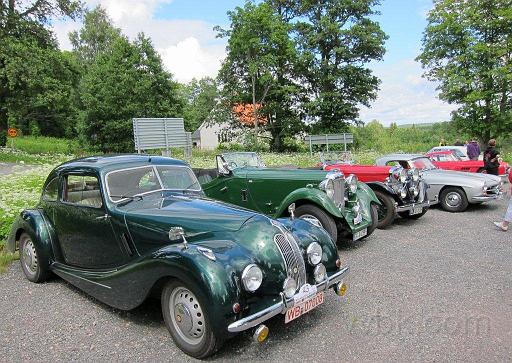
105, 163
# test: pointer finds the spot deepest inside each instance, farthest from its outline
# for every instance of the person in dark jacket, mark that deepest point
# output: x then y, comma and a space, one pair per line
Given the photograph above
491, 158
473, 150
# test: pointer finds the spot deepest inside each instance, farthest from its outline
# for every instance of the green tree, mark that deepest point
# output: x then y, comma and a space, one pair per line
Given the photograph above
259, 69
467, 48
200, 99
128, 81
31, 66
337, 38
95, 37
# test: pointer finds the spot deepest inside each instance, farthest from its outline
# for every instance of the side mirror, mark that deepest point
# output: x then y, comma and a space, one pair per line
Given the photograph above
222, 166
291, 210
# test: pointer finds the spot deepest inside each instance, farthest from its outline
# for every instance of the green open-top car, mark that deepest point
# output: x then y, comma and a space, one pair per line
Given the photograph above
344, 207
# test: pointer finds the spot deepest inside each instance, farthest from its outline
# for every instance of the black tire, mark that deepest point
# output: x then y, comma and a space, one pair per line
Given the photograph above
453, 199
323, 217
406, 215
32, 264
206, 342
375, 219
387, 209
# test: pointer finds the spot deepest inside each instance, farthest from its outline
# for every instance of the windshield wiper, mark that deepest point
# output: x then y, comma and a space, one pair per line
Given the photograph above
130, 198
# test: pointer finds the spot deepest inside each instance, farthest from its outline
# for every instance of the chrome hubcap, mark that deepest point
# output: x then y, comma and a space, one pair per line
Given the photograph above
29, 257
453, 199
187, 315
311, 219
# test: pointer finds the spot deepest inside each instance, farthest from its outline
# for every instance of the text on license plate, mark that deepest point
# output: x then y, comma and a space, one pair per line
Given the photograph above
360, 234
304, 307
417, 209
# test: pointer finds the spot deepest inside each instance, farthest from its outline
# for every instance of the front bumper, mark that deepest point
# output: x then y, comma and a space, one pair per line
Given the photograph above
487, 197
281, 307
410, 207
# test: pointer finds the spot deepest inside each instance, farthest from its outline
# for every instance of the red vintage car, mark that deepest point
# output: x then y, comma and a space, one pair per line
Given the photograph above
401, 192
447, 160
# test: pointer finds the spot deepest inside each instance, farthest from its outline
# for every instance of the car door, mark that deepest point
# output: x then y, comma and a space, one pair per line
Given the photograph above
82, 225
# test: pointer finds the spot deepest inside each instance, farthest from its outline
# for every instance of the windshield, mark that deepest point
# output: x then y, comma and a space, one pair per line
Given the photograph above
122, 184
444, 157
422, 163
240, 160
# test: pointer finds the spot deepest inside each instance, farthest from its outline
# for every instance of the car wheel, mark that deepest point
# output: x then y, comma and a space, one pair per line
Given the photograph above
318, 216
374, 210
31, 264
187, 320
453, 199
406, 215
386, 211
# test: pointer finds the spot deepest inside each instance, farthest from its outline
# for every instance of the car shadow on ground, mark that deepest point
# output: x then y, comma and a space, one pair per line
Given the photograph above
149, 314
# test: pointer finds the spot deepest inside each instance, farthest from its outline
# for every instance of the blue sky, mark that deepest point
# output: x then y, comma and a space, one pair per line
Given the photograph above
182, 31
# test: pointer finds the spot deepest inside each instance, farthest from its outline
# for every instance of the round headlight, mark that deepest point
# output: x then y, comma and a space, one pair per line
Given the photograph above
289, 287
403, 176
403, 193
415, 174
352, 183
314, 252
252, 277
320, 273
327, 185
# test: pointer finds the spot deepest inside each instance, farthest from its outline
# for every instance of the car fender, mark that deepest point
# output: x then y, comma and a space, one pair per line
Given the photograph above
366, 195
33, 222
217, 280
312, 195
383, 187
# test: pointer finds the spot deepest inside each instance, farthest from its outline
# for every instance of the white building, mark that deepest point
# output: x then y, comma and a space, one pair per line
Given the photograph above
209, 135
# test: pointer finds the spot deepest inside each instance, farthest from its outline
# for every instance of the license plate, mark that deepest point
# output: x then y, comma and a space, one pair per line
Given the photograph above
417, 209
304, 307
360, 234
358, 219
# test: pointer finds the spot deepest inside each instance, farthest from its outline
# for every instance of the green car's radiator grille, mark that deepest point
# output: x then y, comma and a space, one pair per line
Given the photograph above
339, 192
292, 257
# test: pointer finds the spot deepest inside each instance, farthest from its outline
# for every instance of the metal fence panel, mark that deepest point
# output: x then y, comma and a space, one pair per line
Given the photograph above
329, 139
160, 133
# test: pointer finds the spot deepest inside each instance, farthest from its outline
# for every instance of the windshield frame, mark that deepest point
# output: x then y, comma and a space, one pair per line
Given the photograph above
259, 160
411, 163
155, 170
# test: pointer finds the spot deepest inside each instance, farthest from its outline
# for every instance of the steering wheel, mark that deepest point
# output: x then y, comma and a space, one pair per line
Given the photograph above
232, 165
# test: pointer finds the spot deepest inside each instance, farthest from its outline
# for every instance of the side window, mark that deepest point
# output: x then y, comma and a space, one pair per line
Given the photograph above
83, 190
52, 190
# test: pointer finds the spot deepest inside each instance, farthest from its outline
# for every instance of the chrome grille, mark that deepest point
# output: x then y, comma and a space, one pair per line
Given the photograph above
292, 257
339, 192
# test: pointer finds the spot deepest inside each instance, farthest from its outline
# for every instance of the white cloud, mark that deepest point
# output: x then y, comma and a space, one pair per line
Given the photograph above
188, 47
406, 97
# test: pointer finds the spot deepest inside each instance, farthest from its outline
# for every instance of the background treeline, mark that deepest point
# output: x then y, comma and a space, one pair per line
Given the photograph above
302, 65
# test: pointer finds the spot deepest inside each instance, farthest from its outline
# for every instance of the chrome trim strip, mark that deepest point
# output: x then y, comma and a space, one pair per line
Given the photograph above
484, 198
281, 307
57, 271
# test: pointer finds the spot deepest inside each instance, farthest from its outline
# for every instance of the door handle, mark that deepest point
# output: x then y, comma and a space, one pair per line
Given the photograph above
244, 195
223, 189
103, 217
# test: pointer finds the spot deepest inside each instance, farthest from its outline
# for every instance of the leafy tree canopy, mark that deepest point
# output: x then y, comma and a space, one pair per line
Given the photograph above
467, 48
129, 81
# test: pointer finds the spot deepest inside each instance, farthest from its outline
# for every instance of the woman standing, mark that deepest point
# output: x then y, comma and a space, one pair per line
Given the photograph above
503, 225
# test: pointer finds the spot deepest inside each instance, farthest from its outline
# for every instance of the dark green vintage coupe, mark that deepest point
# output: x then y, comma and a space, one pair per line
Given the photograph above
344, 207
123, 228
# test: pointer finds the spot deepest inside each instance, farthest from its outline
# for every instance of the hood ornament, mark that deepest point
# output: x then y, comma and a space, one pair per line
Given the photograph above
291, 210
176, 233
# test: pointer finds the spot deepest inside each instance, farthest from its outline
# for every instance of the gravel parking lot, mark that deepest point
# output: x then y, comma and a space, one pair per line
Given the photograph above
436, 289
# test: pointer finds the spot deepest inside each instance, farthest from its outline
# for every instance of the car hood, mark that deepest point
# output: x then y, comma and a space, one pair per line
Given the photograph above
195, 214
440, 176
